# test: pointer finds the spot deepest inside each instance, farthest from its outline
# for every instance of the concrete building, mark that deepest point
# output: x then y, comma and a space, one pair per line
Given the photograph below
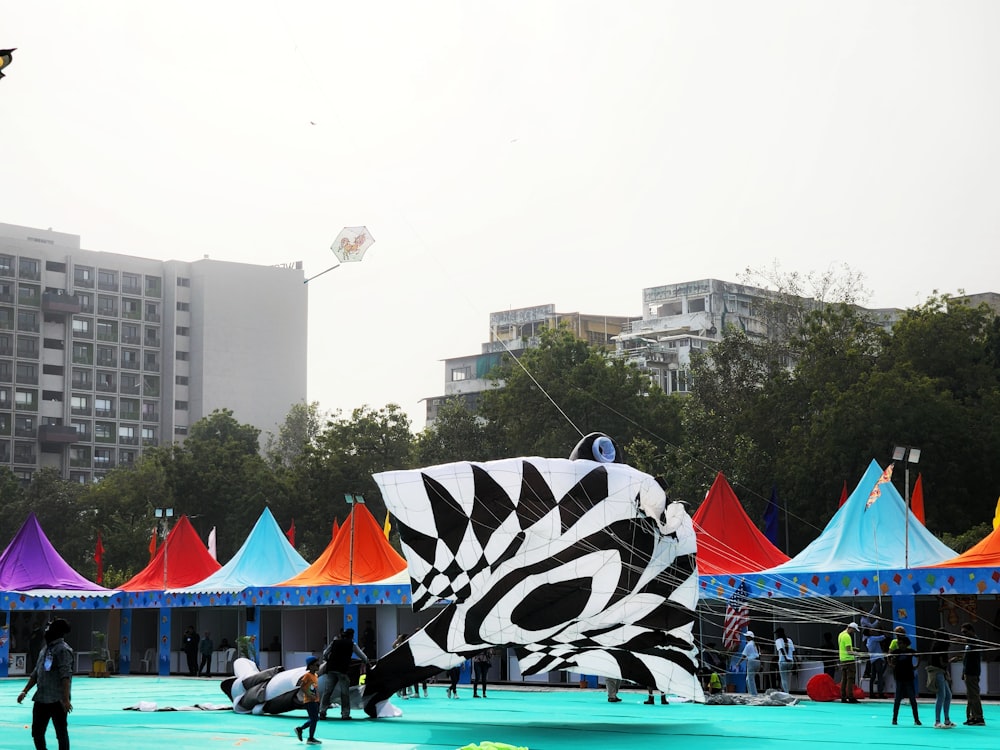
514, 331
103, 355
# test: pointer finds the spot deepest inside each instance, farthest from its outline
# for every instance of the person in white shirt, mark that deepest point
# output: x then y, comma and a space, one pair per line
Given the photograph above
751, 655
786, 658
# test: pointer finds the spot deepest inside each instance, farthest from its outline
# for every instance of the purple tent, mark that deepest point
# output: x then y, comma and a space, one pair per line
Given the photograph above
30, 562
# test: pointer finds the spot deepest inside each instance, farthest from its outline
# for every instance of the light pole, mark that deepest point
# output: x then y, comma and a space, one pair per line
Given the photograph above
353, 500
907, 455
164, 514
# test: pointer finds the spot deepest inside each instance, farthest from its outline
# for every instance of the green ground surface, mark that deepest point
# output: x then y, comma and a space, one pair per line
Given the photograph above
555, 719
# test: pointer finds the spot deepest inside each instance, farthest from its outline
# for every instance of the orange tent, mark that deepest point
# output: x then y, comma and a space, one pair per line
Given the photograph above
187, 561
374, 559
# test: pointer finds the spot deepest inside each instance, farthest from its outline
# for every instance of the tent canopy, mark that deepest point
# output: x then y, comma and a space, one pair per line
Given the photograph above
728, 541
359, 553
873, 538
265, 558
30, 563
185, 557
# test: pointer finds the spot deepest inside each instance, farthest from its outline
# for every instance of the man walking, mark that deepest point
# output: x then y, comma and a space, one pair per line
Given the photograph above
848, 663
338, 661
971, 670
53, 674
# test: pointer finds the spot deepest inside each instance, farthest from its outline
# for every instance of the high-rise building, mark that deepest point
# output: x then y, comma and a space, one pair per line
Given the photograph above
103, 355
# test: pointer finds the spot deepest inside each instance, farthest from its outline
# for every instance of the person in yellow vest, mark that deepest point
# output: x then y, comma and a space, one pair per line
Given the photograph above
848, 663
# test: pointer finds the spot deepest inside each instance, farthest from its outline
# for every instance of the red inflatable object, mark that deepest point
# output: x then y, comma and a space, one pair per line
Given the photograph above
822, 688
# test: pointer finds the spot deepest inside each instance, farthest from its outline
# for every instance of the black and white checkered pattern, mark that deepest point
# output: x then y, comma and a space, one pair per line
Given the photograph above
578, 565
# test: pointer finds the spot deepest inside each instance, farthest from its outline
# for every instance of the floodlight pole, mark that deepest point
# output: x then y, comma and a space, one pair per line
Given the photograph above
907, 455
353, 500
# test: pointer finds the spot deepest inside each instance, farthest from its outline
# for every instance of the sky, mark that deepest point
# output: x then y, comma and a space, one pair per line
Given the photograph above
508, 155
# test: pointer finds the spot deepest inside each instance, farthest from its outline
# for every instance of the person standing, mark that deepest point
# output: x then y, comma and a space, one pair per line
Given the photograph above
937, 674
53, 674
453, 675
612, 684
338, 662
877, 656
903, 670
751, 655
481, 667
848, 663
786, 658
191, 650
309, 684
972, 668
206, 647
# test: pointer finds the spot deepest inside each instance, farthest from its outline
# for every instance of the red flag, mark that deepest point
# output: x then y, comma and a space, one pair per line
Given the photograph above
99, 558
917, 500
336, 528
843, 496
152, 545
291, 533
737, 616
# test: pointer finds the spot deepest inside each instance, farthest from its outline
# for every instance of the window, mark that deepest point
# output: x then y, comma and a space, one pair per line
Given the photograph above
107, 279
151, 361
152, 336
55, 397
181, 379
128, 408
4, 398
6, 318
183, 331
126, 458
84, 276
6, 371
130, 359
24, 453
6, 292
79, 404
55, 266
82, 379
106, 356
30, 268
183, 306
27, 373
461, 373
24, 426
131, 309
180, 430
104, 431
81, 327
25, 398
28, 294
153, 312
54, 344
130, 333
129, 383
27, 320
83, 354
104, 407
126, 432
102, 458
6, 344
107, 305
680, 381
182, 356
149, 411
7, 265
86, 302
153, 286
82, 427
27, 346
107, 330
149, 436
181, 405
105, 380
131, 283
183, 281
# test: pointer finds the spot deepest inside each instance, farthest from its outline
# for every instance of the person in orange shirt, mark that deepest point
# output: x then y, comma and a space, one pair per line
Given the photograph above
309, 684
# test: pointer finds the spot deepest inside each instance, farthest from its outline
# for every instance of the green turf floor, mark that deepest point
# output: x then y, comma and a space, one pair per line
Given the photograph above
571, 719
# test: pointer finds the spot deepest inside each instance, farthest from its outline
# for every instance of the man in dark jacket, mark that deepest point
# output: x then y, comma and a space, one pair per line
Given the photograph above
972, 668
53, 674
338, 662
191, 650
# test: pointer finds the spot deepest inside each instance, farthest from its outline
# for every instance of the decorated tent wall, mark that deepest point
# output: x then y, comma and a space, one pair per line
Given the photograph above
185, 558
265, 558
875, 536
359, 553
31, 563
728, 541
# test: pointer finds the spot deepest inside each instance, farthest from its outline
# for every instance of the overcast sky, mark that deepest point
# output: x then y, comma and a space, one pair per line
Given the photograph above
508, 154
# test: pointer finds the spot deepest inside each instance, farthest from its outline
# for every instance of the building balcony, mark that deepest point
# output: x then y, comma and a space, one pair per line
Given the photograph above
57, 433
60, 304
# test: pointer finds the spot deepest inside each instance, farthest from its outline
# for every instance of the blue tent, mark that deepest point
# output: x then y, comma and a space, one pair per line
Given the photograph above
873, 538
265, 559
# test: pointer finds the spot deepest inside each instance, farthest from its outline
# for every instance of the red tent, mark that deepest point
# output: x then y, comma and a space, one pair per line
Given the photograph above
728, 541
374, 558
188, 562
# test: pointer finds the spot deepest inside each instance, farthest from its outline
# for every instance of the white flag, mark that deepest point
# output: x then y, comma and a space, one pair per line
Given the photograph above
211, 544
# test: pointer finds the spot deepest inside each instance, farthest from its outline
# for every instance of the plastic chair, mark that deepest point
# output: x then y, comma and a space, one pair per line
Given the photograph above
230, 656
146, 662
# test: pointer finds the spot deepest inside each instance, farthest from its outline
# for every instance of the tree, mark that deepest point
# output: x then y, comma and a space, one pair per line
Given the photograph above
299, 431
456, 435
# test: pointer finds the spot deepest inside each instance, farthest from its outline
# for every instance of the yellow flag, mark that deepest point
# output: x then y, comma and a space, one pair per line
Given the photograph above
996, 516
386, 527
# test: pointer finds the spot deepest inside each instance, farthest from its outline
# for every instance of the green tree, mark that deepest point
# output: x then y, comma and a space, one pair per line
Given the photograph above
298, 432
456, 435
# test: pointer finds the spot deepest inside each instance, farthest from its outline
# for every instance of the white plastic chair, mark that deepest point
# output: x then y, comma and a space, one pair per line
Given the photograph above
146, 661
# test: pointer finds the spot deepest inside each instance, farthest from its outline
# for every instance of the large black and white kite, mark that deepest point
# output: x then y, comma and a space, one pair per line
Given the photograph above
580, 565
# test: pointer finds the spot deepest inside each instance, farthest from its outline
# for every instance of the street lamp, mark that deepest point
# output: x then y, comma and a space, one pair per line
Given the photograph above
909, 456
164, 514
353, 500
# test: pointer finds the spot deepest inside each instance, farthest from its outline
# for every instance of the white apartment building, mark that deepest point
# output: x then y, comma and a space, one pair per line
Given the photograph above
102, 354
